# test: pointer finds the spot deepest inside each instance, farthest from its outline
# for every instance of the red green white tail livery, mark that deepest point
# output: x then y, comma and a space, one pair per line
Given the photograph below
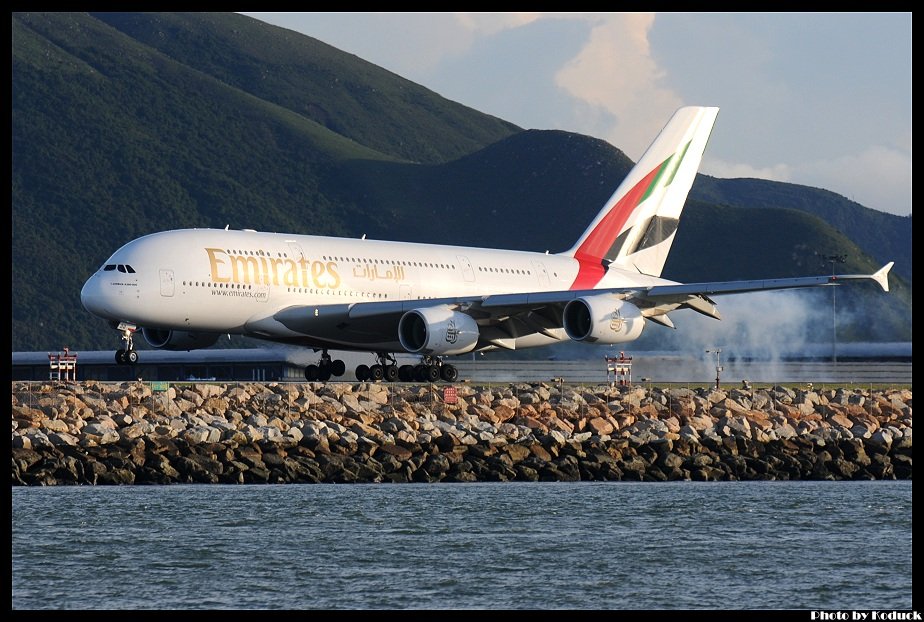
637, 225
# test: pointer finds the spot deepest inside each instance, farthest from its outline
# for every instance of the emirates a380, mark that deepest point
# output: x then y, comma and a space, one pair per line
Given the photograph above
184, 289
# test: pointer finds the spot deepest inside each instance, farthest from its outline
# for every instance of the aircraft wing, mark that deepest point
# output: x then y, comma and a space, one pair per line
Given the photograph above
681, 292
738, 287
502, 317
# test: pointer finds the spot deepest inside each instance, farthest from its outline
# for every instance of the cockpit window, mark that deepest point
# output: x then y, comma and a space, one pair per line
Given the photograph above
125, 268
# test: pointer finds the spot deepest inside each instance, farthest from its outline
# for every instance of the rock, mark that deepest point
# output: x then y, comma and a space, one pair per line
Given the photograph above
54, 425
21, 442
120, 433
881, 437
62, 438
401, 453
599, 425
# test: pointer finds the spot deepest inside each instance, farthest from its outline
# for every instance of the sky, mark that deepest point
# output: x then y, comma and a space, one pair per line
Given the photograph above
820, 99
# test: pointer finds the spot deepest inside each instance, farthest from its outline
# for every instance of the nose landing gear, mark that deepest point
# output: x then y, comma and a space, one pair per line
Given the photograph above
126, 355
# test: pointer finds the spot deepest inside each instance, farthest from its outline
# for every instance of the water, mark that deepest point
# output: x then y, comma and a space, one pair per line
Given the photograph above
616, 545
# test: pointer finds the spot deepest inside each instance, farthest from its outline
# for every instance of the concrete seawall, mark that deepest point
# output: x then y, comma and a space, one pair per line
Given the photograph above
152, 433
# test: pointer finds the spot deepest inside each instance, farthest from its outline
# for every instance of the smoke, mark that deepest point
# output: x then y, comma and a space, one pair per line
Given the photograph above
763, 326
757, 333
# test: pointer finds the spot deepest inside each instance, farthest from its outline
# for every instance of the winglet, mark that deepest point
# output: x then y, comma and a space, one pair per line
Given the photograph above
881, 276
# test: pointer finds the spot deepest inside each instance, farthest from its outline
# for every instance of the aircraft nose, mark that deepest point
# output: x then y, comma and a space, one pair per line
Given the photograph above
90, 296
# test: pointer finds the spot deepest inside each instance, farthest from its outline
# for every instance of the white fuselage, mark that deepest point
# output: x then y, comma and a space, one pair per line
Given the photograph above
233, 282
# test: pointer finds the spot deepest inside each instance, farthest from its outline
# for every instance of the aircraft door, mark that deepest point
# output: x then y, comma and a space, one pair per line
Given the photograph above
296, 249
467, 272
541, 272
167, 283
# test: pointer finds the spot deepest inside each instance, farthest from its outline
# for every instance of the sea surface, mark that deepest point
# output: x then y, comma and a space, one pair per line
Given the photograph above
609, 545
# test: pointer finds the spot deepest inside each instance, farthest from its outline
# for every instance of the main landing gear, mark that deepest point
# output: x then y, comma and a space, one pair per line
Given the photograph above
430, 369
385, 368
325, 368
126, 355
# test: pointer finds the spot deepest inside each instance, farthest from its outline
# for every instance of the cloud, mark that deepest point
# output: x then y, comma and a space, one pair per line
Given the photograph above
611, 88
816, 99
878, 178
492, 23
615, 79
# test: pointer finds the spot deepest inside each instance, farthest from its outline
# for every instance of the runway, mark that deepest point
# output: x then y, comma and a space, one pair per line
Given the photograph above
882, 366
680, 369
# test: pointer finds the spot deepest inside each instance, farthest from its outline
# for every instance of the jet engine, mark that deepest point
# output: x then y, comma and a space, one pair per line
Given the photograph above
602, 319
178, 340
438, 331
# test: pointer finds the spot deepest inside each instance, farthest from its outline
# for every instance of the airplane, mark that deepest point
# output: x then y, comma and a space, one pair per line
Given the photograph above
186, 288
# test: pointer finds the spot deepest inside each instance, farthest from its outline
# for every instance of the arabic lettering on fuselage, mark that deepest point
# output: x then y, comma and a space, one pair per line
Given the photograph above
371, 272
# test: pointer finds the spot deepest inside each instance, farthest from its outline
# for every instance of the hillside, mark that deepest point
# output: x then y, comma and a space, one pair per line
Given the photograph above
536, 190
347, 95
885, 237
113, 139
124, 124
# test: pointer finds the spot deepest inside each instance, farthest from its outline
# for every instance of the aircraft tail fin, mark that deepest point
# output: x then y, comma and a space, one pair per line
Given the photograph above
637, 225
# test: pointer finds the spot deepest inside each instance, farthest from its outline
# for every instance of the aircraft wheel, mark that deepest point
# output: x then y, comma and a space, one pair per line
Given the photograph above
420, 373
311, 373
337, 368
131, 357
120, 357
324, 373
449, 373
433, 373
362, 373
391, 373
377, 373
406, 373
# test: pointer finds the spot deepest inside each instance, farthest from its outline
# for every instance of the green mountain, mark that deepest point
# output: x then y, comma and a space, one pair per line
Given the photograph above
885, 237
125, 124
341, 92
541, 187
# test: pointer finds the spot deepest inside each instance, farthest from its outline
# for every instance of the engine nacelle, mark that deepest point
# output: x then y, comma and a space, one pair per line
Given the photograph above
602, 319
178, 340
437, 330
